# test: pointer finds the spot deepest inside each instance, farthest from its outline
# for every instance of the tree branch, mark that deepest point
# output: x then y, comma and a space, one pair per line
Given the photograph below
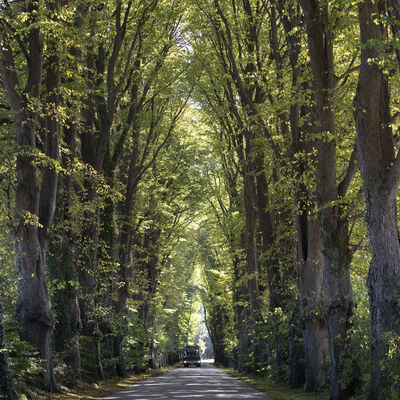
350, 172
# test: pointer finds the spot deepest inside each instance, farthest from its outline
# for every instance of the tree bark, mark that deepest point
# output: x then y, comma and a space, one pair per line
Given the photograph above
30, 241
310, 284
310, 264
380, 172
333, 226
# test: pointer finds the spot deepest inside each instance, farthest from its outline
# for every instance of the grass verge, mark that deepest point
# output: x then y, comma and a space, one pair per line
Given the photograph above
274, 390
85, 391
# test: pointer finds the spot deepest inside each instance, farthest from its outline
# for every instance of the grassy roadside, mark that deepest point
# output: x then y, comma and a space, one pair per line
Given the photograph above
84, 391
274, 390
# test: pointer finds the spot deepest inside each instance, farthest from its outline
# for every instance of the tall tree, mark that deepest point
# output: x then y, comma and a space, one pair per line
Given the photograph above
333, 223
35, 206
310, 270
380, 171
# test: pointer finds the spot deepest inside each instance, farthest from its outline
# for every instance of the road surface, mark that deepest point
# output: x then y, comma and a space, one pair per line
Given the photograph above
203, 383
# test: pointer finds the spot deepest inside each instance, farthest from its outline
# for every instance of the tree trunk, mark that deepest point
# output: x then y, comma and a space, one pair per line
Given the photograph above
33, 305
256, 319
241, 308
310, 263
310, 284
290, 17
95, 143
336, 256
380, 173
64, 269
270, 269
126, 241
216, 324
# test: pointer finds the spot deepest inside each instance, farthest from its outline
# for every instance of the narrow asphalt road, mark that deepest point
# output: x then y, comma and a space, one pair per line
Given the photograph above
204, 383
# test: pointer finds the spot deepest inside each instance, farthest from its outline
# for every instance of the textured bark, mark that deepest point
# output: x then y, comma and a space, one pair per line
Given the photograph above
334, 233
315, 333
30, 241
380, 173
311, 271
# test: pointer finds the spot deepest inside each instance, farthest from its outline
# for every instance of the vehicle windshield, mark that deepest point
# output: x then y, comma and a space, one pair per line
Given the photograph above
191, 352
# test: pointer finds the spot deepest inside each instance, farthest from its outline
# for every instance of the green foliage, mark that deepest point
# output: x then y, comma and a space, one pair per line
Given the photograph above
165, 93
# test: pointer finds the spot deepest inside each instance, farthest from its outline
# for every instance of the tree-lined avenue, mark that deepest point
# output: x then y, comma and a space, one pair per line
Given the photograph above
218, 173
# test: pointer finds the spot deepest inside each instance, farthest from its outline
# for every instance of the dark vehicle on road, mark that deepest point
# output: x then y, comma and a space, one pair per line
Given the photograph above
191, 356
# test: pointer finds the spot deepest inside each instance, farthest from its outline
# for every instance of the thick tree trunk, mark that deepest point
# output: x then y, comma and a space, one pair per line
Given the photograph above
384, 286
33, 305
310, 262
381, 176
310, 284
48, 191
336, 258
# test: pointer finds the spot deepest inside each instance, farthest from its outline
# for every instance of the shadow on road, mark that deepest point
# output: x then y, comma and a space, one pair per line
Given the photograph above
205, 383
